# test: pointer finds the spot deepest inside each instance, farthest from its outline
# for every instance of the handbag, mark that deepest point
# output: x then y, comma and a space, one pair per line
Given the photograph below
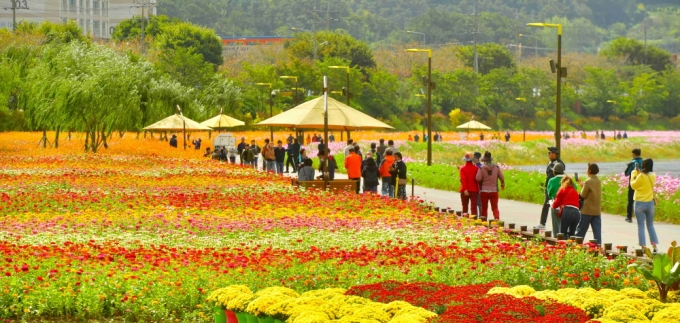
402, 181
654, 198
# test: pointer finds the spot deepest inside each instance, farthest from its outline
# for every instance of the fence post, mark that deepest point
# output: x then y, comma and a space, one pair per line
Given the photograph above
413, 187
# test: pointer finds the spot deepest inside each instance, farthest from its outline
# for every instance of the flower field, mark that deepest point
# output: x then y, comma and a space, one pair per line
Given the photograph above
142, 232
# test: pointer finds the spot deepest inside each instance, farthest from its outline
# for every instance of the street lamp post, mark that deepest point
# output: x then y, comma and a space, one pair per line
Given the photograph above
614, 103
524, 118
271, 108
347, 93
535, 44
305, 30
559, 71
417, 33
298, 133
430, 86
422, 96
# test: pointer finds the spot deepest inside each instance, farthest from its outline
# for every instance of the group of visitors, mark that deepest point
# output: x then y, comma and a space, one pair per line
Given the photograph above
416, 138
480, 178
573, 213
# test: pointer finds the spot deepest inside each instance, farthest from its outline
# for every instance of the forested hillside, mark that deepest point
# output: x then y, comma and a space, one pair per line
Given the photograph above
588, 23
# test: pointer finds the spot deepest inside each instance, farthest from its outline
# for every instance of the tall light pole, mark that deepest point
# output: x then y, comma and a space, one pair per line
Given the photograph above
430, 86
314, 33
271, 108
345, 90
535, 44
295, 79
524, 118
559, 70
417, 33
298, 133
420, 95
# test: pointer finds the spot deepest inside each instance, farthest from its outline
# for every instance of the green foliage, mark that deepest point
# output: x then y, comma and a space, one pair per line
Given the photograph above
635, 52
337, 44
490, 56
131, 29
664, 272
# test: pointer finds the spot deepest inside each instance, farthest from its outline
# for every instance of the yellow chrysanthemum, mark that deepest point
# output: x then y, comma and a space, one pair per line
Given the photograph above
278, 290
325, 294
259, 305
240, 302
653, 309
393, 307
595, 307
522, 291
498, 290
668, 314
633, 293
309, 316
624, 313
408, 318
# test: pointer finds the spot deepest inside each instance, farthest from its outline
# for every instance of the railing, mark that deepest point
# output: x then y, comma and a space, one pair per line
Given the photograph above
547, 236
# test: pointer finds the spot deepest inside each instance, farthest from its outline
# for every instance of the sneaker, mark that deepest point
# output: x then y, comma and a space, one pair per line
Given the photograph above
540, 227
629, 220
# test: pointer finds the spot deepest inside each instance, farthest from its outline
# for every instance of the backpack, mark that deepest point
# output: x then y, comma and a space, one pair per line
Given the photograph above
269, 153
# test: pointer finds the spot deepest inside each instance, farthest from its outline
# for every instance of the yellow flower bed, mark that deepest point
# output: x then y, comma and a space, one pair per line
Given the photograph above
316, 306
607, 305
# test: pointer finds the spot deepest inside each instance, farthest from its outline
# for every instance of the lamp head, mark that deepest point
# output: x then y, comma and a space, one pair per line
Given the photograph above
521, 99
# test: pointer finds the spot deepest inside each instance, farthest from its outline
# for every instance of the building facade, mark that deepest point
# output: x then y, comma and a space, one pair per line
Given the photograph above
97, 18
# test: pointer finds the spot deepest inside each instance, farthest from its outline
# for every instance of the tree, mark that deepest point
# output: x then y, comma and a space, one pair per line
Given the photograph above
339, 44
131, 29
221, 94
600, 86
200, 40
186, 66
635, 53
490, 56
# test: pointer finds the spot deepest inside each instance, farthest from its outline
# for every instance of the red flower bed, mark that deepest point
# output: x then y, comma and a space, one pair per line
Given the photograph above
467, 304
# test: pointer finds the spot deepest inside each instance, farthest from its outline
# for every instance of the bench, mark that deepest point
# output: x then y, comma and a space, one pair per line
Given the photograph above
348, 185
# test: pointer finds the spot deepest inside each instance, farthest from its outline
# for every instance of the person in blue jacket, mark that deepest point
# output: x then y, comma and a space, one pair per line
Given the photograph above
636, 162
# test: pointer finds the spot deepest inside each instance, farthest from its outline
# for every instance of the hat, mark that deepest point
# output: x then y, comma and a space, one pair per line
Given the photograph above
467, 157
478, 155
558, 168
553, 150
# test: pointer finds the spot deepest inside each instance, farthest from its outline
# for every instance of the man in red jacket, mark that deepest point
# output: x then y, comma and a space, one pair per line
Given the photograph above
353, 166
384, 169
469, 188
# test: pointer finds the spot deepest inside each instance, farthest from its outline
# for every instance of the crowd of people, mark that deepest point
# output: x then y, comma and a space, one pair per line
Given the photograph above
382, 164
574, 205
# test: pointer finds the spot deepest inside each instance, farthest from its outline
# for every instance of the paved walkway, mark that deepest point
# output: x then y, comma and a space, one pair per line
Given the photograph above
615, 229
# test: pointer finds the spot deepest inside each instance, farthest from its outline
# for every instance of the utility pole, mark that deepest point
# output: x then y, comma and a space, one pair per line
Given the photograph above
144, 19
644, 56
328, 15
474, 36
16, 4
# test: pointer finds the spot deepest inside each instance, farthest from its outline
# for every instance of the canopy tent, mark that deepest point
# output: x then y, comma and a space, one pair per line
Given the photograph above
310, 115
473, 125
176, 122
221, 121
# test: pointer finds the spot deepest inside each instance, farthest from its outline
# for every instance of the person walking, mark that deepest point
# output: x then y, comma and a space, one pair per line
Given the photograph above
416, 138
381, 147
488, 176
332, 166
280, 156
634, 164
350, 145
507, 136
552, 188
591, 211
241, 146
384, 169
390, 147
566, 201
375, 154
269, 157
469, 187
370, 175
553, 156
247, 156
353, 166
321, 147
642, 181
399, 176
256, 152
293, 151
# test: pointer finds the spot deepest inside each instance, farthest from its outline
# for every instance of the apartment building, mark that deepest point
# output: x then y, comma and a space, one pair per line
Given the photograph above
95, 17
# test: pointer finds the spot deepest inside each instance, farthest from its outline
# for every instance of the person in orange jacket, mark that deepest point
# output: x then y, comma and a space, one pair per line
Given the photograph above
353, 166
384, 169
